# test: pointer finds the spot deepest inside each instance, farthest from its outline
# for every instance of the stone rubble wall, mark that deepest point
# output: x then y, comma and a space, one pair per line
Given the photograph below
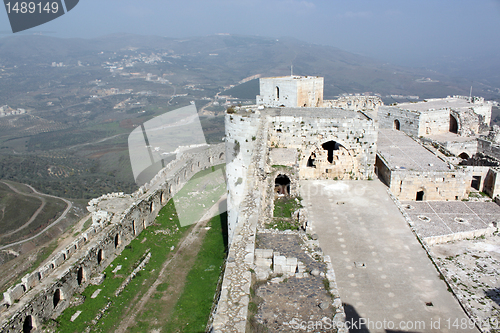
70, 270
488, 148
355, 103
457, 148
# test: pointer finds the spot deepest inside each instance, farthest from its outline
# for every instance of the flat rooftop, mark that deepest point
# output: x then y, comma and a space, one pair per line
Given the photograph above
402, 152
313, 112
438, 218
291, 77
438, 104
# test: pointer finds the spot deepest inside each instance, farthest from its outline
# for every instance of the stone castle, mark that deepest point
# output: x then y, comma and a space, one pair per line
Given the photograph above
292, 134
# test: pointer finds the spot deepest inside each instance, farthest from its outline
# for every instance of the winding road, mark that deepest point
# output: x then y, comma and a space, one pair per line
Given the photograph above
40, 195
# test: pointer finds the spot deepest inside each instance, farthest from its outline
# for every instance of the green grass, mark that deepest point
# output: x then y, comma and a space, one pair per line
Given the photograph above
283, 224
193, 307
129, 258
200, 193
285, 206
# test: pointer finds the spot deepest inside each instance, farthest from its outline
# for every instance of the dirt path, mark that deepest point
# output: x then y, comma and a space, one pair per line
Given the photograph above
63, 215
33, 217
178, 265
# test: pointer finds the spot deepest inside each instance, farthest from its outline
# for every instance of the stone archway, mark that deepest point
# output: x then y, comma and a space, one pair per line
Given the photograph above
29, 324
57, 297
397, 125
464, 156
420, 195
453, 124
329, 160
282, 185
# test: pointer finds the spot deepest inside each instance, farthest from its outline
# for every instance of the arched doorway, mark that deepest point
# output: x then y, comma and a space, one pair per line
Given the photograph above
397, 125
117, 240
282, 185
81, 276
277, 93
57, 297
29, 324
464, 156
453, 125
420, 196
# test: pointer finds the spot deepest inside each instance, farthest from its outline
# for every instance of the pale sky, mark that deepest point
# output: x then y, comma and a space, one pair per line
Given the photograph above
392, 30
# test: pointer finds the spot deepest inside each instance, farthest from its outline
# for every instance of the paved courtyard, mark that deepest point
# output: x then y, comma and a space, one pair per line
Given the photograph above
436, 218
383, 274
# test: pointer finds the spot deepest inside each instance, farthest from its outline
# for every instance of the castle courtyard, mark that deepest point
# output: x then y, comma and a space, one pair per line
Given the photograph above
383, 274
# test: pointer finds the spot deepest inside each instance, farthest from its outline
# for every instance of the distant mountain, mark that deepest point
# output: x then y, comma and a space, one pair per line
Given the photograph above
227, 59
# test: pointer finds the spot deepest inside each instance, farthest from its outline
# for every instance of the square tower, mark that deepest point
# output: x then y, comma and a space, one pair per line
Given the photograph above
291, 91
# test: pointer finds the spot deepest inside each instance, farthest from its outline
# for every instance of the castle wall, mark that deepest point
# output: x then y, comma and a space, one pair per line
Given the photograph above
241, 134
457, 148
409, 121
291, 91
45, 293
434, 122
353, 157
488, 148
436, 185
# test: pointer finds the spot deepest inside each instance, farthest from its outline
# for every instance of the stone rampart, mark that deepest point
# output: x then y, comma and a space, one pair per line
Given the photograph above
46, 292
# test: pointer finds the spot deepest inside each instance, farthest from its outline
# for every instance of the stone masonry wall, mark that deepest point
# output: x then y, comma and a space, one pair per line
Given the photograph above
409, 121
45, 293
354, 157
436, 185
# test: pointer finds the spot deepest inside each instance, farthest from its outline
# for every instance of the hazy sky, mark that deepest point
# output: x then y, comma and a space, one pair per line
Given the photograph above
399, 31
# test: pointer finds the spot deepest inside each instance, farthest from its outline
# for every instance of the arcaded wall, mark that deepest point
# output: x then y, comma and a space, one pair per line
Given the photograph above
45, 293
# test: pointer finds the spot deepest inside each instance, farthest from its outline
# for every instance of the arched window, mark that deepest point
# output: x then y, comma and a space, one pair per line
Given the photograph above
330, 146
277, 93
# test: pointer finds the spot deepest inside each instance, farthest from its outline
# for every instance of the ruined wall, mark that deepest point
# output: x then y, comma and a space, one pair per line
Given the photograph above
409, 121
45, 293
491, 184
457, 148
355, 103
488, 148
232, 306
353, 156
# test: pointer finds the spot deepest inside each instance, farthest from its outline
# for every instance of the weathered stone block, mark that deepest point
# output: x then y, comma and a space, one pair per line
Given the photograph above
264, 253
